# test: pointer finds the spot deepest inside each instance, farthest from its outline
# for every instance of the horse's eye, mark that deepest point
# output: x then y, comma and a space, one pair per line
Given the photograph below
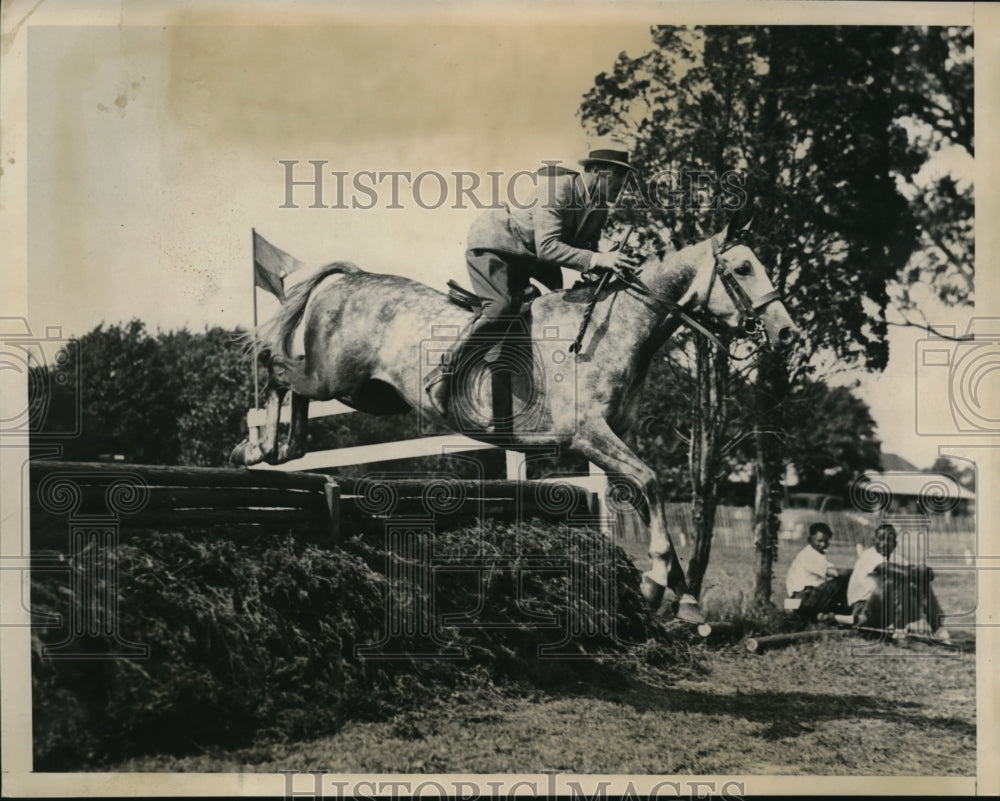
745, 268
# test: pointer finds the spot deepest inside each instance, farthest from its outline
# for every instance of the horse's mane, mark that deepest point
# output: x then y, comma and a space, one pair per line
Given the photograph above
275, 334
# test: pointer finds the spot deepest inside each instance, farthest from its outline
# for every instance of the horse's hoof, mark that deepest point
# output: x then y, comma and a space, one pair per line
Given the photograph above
238, 456
652, 592
689, 611
245, 454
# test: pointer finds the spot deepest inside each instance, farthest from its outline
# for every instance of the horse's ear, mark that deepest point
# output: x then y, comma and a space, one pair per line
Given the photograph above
740, 222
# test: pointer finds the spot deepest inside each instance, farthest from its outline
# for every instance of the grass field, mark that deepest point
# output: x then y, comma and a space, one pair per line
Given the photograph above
833, 707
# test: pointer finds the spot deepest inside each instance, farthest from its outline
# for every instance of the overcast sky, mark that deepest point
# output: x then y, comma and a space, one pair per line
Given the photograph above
154, 150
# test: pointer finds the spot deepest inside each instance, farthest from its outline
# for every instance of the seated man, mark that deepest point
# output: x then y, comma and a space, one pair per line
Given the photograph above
813, 578
885, 590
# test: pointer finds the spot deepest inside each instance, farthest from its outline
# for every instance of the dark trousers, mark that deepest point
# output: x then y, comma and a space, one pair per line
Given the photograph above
500, 279
902, 597
830, 596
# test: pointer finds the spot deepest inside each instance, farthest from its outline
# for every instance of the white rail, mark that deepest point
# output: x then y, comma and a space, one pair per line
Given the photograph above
407, 449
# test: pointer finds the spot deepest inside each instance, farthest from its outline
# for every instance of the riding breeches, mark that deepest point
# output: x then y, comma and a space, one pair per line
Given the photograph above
500, 279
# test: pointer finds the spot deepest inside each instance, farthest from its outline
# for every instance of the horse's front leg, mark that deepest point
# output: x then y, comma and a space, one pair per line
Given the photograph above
596, 440
298, 430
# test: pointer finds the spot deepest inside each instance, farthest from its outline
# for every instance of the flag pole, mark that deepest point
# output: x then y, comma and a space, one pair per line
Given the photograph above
253, 273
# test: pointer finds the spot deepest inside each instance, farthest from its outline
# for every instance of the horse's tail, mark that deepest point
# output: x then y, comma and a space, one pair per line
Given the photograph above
275, 335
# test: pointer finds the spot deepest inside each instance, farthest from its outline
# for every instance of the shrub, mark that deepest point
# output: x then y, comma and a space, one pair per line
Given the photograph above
258, 639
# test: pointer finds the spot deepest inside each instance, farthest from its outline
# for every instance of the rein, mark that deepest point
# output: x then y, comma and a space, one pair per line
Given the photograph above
749, 308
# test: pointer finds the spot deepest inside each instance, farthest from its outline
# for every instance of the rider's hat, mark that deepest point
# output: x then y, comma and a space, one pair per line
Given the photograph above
608, 150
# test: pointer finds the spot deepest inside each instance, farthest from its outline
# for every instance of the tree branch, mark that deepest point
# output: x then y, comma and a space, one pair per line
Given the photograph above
925, 326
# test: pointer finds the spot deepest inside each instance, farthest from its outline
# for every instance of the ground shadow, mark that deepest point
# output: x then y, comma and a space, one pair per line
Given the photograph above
782, 714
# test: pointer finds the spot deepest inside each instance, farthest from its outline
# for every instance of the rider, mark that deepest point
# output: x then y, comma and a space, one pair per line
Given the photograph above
559, 227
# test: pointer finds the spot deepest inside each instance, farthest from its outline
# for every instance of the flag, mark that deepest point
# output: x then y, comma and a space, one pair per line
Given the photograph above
271, 265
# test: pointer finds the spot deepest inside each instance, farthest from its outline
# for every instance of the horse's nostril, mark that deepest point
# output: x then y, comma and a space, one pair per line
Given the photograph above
786, 335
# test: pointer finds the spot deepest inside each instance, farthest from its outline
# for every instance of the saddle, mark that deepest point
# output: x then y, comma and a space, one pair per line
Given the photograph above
465, 299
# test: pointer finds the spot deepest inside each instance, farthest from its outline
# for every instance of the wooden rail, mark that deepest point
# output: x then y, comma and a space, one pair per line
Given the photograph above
149, 497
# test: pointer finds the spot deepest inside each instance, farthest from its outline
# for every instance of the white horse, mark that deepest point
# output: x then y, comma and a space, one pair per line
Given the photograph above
357, 337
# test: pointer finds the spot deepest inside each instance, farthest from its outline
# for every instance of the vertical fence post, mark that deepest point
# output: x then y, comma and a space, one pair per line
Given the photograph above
255, 419
600, 486
332, 493
516, 466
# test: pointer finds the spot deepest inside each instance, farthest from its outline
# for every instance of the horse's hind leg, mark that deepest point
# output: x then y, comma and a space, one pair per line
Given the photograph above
269, 434
596, 441
298, 430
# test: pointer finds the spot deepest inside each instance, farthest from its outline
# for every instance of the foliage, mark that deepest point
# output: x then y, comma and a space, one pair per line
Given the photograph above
830, 437
181, 398
935, 91
818, 119
963, 476
829, 434
214, 396
126, 394
258, 640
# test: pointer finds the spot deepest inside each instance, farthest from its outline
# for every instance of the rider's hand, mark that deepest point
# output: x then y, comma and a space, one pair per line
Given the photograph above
613, 260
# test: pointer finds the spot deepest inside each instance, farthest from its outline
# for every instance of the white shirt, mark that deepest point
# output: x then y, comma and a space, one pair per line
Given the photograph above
863, 581
808, 569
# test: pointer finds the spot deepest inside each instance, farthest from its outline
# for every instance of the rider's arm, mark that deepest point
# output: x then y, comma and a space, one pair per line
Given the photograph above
557, 209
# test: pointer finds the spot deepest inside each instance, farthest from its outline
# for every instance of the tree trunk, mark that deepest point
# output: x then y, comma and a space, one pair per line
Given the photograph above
770, 389
771, 386
708, 415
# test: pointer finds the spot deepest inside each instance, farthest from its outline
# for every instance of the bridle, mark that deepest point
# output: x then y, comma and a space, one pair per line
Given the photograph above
748, 308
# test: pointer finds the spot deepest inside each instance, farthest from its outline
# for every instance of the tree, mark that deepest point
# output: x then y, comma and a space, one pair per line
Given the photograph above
935, 92
811, 115
127, 396
216, 377
963, 476
831, 437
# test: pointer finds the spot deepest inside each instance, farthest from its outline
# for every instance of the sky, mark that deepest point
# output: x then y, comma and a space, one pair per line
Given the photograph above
155, 150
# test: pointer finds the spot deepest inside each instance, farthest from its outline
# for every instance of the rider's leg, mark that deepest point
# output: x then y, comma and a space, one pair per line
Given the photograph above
438, 384
499, 283
499, 279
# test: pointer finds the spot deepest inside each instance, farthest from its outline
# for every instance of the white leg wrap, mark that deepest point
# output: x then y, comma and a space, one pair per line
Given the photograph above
657, 572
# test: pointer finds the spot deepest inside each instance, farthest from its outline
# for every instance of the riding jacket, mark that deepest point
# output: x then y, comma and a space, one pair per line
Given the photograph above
559, 226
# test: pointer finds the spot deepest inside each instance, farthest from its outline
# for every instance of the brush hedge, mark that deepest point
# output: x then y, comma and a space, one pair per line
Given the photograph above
258, 640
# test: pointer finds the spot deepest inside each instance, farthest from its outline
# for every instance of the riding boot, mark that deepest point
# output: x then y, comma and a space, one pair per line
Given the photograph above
438, 384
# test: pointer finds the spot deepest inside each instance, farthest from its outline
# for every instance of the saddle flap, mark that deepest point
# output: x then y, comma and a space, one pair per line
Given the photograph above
460, 296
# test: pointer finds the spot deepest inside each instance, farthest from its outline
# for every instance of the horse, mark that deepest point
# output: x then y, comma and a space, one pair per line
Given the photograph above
364, 338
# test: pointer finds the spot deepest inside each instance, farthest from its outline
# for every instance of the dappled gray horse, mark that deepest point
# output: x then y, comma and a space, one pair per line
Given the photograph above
363, 339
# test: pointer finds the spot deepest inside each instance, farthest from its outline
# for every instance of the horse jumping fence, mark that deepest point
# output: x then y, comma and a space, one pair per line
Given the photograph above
595, 484
136, 497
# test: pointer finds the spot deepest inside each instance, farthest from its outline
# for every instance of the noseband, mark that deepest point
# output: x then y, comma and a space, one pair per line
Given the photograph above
748, 308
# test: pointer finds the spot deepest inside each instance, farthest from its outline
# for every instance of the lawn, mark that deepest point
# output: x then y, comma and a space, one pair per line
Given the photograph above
833, 707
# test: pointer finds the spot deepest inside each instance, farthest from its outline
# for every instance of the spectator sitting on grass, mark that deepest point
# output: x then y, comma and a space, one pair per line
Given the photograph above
886, 591
814, 579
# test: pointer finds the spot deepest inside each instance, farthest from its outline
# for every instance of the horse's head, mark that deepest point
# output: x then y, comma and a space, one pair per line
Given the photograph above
732, 286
